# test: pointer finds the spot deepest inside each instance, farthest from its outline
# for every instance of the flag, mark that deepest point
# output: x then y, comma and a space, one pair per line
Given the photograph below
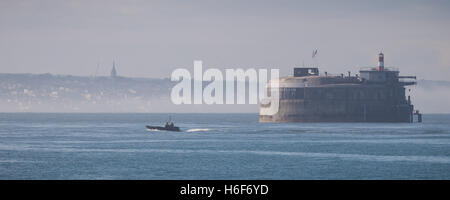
314, 53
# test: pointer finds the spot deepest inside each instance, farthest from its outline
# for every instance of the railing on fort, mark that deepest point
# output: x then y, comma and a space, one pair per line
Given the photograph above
376, 69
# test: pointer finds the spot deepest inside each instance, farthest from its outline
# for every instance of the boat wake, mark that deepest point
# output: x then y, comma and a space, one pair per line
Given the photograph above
198, 130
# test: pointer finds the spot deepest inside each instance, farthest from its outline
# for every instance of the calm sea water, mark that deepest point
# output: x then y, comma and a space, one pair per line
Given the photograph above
218, 146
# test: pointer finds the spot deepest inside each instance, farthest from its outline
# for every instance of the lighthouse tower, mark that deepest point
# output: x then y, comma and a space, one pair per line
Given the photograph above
381, 62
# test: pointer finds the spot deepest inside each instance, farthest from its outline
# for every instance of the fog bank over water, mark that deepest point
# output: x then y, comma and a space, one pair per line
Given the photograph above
57, 93
431, 96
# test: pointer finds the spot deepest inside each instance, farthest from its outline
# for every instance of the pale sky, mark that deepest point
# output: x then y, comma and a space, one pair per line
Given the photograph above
152, 38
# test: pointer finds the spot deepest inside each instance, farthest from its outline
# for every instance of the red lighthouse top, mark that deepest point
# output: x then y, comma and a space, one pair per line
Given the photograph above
381, 62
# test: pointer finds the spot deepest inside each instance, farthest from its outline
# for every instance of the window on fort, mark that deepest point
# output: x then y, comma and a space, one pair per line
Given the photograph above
299, 93
382, 96
361, 95
329, 95
338, 93
356, 95
287, 93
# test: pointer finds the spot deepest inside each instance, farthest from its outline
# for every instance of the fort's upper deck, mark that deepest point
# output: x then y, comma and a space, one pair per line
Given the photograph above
310, 77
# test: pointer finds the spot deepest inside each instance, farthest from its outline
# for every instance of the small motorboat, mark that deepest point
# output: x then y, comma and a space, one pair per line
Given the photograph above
167, 127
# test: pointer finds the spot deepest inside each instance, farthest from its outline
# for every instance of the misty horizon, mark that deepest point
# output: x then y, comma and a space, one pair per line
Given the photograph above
151, 39
84, 94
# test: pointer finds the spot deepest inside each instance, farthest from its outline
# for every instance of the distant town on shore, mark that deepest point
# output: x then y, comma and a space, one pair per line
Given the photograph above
114, 93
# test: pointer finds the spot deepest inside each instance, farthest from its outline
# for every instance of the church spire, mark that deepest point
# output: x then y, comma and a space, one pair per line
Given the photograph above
113, 71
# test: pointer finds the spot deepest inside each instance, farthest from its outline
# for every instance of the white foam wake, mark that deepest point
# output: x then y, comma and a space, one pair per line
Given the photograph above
198, 130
